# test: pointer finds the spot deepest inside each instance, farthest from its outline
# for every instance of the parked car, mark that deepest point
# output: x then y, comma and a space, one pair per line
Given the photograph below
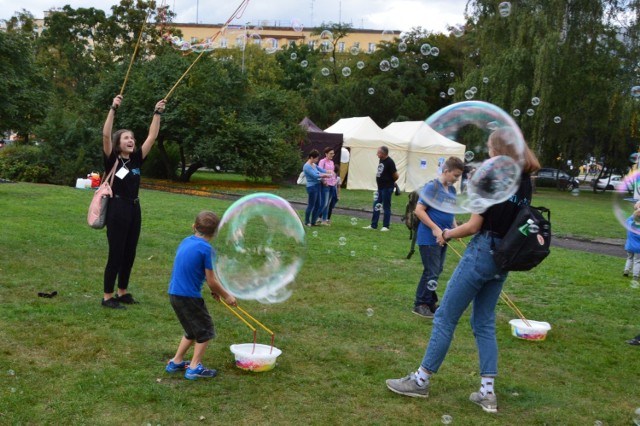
616, 182
555, 177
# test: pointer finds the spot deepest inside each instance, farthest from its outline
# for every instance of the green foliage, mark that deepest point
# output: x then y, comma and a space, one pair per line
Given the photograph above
23, 163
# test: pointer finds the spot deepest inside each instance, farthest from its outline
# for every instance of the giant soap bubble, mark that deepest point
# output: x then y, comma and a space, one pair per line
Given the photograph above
260, 248
494, 176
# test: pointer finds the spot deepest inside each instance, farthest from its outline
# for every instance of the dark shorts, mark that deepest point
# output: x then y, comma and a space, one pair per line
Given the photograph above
194, 317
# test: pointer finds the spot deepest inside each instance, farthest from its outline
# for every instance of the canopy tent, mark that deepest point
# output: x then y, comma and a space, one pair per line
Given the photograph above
319, 139
427, 150
363, 137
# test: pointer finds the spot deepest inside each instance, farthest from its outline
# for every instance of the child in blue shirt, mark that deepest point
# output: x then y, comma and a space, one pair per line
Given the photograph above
439, 192
632, 246
192, 266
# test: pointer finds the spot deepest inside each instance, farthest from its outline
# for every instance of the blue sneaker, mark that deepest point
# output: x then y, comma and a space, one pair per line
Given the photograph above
199, 371
172, 367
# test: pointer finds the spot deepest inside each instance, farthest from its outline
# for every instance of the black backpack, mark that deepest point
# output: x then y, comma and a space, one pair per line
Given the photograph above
411, 220
527, 242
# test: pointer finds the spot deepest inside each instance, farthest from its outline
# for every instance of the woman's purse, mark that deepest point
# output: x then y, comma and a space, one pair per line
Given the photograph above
97, 215
302, 179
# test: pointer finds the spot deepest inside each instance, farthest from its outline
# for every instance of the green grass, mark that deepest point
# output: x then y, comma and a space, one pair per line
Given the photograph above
77, 363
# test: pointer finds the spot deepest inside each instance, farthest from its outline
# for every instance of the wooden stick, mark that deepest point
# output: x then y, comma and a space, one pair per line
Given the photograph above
238, 315
135, 50
255, 320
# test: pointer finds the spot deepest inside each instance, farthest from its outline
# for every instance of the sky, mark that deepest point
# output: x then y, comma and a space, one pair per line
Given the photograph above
432, 15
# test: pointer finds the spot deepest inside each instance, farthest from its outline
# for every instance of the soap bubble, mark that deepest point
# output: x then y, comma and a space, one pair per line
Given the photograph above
443, 95
402, 47
636, 417
296, 25
325, 72
435, 51
394, 62
326, 35
354, 220
346, 71
624, 200
635, 91
530, 112
485, 80
384, 65
458, 30
260, 248
369, 312
378, 207
535, 101
315, 234
354, 50
425, 67
360, 65
516, 112
432, 285
255, 38
353, 253
451, 91
371, 90
597, 423
557, 119
446, 419
468, 94
11, 373
634, 284
375, 247
387, 35
505, 9
304, 63
342, 241
494, 180
452, 74
294, 56
468, 156
473, 89
425, 49
375, 195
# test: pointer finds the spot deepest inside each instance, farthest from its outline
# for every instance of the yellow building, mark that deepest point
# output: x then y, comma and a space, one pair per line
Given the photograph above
276, 38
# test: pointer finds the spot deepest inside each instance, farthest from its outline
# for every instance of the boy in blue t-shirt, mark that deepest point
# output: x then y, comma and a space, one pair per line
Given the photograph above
438, 192
193, 264
632, 246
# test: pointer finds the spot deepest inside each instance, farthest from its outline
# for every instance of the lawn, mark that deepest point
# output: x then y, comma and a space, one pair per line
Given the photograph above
67, 360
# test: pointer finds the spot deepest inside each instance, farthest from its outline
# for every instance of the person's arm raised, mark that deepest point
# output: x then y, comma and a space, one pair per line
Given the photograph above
154, 128
107, 144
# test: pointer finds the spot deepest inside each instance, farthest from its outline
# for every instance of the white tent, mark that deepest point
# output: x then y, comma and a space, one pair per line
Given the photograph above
427, 150
363, 137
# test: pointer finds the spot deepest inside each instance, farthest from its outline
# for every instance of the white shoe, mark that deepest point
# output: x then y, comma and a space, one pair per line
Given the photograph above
368, 227
384, 229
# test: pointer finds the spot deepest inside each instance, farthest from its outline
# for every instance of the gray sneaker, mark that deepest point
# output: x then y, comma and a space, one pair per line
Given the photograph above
489, 402
407, 386
423, 311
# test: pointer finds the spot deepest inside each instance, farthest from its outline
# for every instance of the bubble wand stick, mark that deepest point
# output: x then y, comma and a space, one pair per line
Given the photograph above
236, 14
503, 295
135, 50
273, 336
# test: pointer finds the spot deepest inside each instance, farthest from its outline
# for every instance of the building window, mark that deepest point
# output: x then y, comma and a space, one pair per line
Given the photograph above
274, 43
312, 44
292, 43
240, 41
356, 44
341, 47
223, 43
372, 47
194, 40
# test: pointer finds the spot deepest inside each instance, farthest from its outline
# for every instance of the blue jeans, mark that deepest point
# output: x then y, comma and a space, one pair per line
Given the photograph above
327, 199
384, 198
433, 262
477, 279
313, 204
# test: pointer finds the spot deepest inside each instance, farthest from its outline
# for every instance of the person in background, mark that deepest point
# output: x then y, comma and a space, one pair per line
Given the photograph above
313, 174
328, 192
386, 177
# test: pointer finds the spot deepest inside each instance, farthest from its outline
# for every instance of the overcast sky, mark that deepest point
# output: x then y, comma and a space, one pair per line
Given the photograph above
433, 15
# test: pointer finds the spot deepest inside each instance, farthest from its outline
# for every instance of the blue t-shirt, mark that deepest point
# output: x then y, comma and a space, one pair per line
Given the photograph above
434, 190
193, 257
632, 244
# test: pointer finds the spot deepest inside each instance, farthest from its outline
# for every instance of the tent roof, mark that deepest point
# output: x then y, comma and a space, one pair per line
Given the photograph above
364, 132
421, 137
309, 125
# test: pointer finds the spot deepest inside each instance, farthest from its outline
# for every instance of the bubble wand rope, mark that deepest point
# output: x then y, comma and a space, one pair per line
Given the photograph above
273, 335
503, 295
135, 51
237, 13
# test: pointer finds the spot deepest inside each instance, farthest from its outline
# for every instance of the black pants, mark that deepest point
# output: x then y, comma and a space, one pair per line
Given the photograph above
123, 230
